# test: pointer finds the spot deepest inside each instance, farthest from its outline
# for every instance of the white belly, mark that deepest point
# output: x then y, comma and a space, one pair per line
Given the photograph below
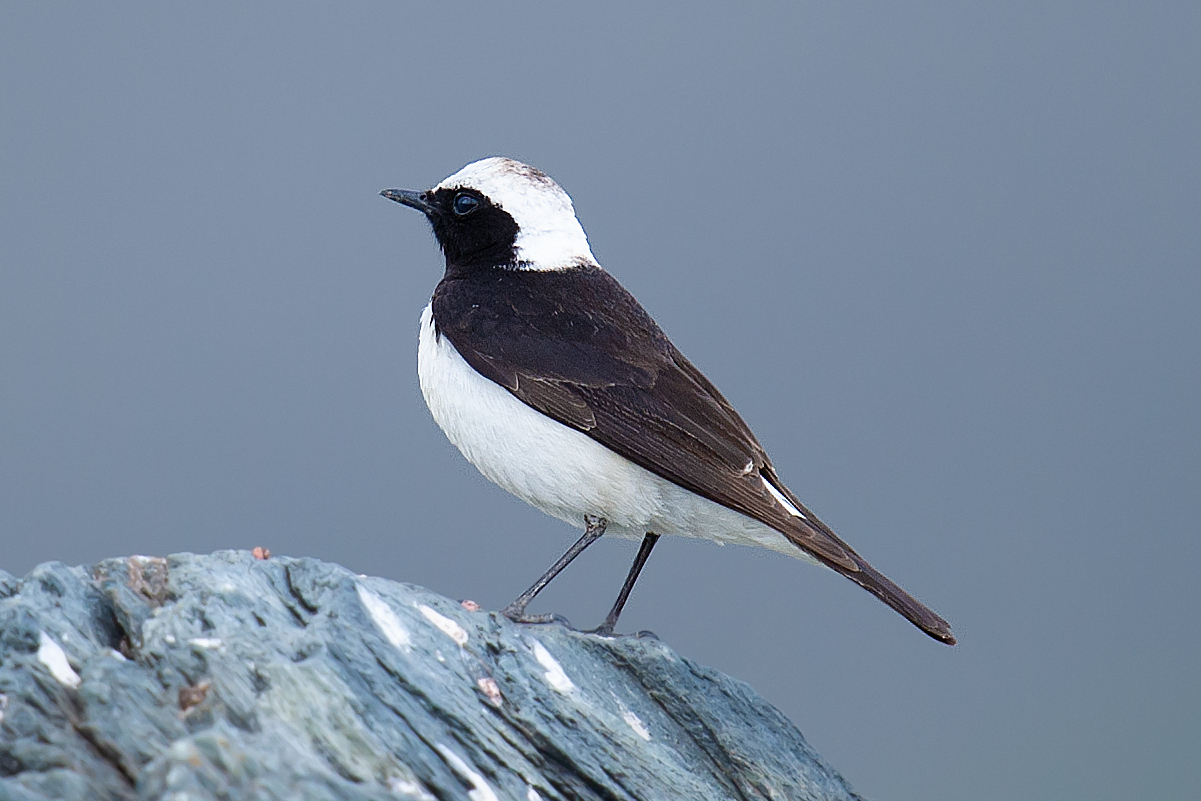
561, 471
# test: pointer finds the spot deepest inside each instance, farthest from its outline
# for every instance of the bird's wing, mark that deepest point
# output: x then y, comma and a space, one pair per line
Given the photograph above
595, 360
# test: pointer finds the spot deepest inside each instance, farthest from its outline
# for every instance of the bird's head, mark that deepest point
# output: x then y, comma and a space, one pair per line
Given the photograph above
498, 212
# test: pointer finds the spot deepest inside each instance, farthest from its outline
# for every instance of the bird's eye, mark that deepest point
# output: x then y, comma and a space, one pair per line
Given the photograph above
465, 204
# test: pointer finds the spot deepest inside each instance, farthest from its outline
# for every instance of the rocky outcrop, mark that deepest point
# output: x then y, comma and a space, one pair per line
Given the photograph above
230, 677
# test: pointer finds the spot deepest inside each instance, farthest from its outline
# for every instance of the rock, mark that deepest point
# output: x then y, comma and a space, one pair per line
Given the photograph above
231, 677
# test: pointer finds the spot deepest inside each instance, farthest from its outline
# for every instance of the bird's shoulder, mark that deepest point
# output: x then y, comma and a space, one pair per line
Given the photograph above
577, 345
579, 326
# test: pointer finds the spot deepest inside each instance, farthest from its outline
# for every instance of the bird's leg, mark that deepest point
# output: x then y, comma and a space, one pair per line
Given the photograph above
644, 552
594, 527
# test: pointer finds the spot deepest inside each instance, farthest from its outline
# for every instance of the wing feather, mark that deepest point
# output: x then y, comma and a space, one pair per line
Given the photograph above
594, 360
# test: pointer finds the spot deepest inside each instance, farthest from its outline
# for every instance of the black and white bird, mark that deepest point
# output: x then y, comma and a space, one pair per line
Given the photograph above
553, 381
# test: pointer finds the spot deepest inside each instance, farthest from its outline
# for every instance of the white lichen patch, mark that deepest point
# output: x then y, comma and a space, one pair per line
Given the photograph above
3, 706
635, 723
207, 643
115, 654
490, 689
409, 788
480, 790
554, 675
445, 625
51, 655
385, 619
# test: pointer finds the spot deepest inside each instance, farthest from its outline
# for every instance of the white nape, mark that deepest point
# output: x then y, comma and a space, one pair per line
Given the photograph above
549, 236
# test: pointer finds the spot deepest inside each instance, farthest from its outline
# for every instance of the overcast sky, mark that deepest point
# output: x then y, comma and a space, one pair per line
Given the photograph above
945, 260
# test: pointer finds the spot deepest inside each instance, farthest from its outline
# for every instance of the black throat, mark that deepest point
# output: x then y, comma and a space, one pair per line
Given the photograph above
485, 238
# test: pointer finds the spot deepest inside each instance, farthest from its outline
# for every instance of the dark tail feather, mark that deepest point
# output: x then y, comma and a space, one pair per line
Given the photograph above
817, 539
913, 610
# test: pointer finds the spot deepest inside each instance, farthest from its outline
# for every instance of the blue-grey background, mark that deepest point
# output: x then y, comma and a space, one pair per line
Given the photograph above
945, 259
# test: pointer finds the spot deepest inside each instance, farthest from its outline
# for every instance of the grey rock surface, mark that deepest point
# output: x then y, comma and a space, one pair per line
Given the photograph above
227, 677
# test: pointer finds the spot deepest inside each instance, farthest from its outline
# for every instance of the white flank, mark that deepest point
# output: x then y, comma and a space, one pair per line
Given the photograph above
3, 706
554, 675
531, 794
115, 654
635, 723
549, 236
560, 470
385, 619
445, 625
480, 790
51, 655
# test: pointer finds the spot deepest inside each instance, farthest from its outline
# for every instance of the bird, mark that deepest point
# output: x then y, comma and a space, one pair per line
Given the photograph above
559, 387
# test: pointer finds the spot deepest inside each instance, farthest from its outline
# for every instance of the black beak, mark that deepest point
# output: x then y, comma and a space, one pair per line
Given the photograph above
414, 200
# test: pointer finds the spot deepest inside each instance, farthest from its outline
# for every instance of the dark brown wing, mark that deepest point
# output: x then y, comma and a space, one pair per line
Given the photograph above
579, 348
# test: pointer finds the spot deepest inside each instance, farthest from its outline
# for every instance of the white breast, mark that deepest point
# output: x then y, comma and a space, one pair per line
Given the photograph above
559, 470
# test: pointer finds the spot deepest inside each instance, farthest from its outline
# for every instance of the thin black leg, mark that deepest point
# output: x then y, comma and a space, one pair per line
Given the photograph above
644, 552
593, 529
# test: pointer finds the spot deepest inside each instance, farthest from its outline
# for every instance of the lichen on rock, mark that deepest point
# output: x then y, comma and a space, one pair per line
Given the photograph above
230, 677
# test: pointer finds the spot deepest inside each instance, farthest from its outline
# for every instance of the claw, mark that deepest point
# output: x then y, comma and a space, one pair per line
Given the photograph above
519, 616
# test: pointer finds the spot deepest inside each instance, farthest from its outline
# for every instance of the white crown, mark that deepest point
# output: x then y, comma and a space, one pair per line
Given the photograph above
549, 236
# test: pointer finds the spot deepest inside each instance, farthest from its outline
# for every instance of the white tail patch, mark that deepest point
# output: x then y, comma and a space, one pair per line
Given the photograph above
779, 496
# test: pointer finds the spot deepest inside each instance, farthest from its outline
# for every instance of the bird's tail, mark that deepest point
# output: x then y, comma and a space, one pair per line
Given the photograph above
914, 610
818, 539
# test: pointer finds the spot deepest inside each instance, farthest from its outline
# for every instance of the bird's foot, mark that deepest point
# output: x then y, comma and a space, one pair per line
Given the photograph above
516, 613
607, 631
